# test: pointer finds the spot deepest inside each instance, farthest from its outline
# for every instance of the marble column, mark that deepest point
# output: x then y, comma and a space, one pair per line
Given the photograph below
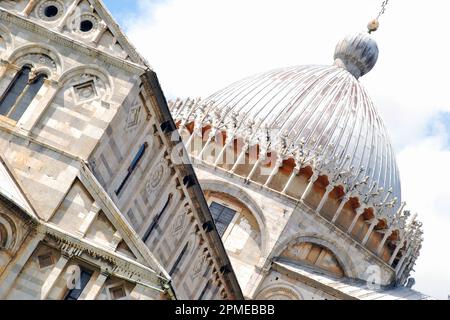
8, 73
294, 173
359, 212
275, 170
396, 251
310, 186
239, 159
93, 291
69, 12
102, 27
53, 276
255, 167
85, 225
402, 260
387, 233
208, 142
369, 232
36, 109
30, 6
14, 268
324, 198
340, 208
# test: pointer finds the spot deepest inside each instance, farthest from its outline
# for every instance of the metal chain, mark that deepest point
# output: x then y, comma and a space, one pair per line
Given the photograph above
374, 24
383, 8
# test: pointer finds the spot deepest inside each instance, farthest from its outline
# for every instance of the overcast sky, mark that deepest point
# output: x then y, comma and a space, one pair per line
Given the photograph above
200, 46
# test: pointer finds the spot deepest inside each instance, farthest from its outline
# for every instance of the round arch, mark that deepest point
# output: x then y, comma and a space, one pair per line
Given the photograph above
94, 70
8, 232
249, 202
275, 290
44, 49
341, 255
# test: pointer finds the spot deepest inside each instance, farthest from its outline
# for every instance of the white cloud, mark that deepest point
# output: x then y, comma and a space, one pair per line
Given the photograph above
199, 46
425, 177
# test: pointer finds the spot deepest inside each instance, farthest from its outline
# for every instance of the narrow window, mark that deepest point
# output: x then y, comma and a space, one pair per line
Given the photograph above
28, 96
208, 284
157, 218
222, 217
14, 91
75, 293
132, 167
180, 257
20, 94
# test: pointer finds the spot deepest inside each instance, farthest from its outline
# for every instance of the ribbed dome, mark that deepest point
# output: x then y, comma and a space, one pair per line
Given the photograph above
322, 108
317, 118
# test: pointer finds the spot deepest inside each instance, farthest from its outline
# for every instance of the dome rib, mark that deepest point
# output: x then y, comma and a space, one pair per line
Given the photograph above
324, 107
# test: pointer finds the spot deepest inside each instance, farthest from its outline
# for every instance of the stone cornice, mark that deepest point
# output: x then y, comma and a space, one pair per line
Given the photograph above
22, 134
72, 43
313, 283
121, 223
153, 95
120, 266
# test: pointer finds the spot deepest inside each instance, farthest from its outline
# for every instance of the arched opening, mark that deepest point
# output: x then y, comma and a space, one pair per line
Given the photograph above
332, 202
235, 223
281, 178
347, 214
299, 183
20, 93
240, 232
400, 254
313, 199
314, 256
363, 224
278, 293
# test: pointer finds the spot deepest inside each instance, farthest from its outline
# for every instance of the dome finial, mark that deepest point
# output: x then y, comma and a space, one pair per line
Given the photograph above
357, 54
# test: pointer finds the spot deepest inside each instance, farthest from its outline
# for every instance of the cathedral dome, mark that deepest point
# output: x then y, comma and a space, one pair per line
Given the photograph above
320, 110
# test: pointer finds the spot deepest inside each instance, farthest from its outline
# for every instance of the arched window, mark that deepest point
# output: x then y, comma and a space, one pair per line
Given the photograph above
21, 93
222, 216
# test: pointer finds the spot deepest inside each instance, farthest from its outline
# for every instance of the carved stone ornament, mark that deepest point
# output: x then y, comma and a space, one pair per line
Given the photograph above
159, 173
38, 61
133, 117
